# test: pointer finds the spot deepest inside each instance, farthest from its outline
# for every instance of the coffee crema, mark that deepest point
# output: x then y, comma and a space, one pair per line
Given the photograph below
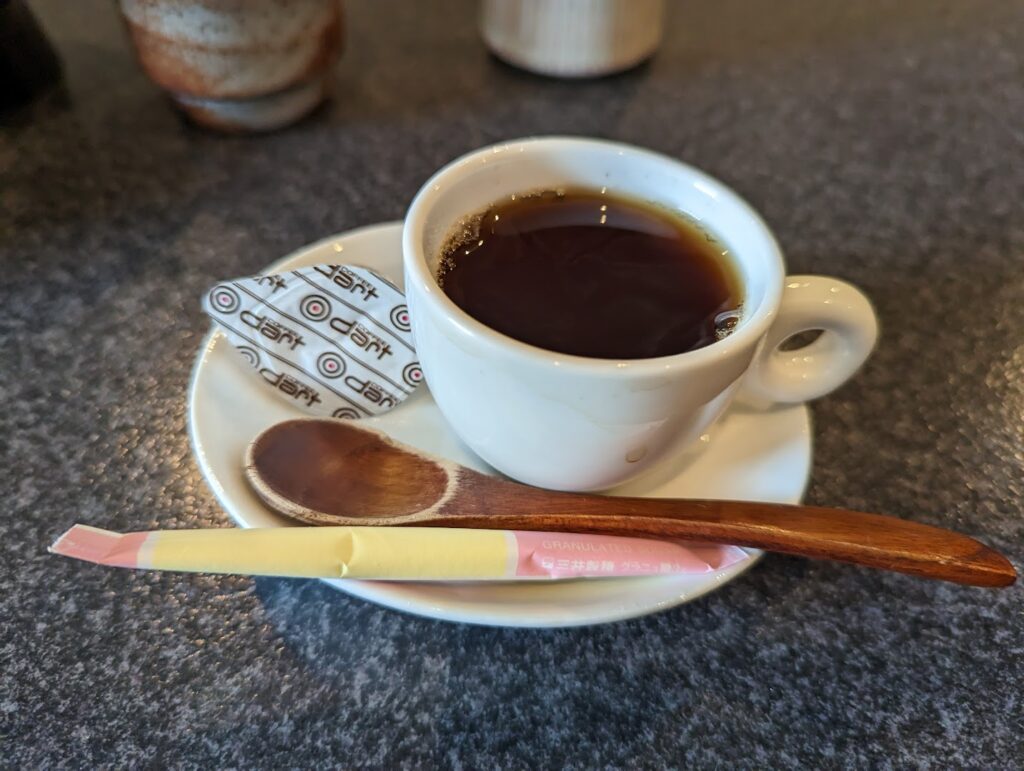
589, 273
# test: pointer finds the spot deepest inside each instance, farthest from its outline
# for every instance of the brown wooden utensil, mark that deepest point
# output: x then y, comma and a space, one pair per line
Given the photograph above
331, 472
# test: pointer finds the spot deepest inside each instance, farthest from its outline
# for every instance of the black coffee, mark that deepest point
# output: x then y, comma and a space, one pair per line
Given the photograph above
592, 274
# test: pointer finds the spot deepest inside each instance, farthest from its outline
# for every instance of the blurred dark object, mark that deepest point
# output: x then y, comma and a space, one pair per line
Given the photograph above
28, 64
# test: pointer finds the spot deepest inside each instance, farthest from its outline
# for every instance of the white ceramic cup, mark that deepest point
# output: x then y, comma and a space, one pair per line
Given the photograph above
574, 423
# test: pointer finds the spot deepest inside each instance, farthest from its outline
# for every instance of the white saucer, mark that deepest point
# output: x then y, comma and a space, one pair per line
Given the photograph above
753, 455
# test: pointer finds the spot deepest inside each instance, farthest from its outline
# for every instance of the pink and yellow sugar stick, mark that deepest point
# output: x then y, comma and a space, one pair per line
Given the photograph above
388, 553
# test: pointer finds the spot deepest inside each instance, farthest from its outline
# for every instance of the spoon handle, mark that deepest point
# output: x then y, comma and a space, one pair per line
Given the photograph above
873, 540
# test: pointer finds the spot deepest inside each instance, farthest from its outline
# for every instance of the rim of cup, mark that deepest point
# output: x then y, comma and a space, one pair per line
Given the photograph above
752, 324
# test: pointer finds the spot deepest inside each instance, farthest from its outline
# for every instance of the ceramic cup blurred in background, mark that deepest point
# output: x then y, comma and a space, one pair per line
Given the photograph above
572, 38
238, 65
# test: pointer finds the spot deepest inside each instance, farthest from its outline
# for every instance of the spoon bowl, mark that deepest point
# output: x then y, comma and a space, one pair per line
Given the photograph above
328, 472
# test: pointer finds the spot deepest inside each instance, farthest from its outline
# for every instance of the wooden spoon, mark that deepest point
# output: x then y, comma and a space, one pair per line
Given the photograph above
329, 472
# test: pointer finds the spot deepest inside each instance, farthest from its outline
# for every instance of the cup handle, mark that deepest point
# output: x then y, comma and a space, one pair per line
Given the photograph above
849, 329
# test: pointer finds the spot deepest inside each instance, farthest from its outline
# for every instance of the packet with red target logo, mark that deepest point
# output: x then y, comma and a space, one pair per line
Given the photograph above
330, 339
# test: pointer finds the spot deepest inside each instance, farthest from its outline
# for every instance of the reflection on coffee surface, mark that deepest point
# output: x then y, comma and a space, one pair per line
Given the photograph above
592, 274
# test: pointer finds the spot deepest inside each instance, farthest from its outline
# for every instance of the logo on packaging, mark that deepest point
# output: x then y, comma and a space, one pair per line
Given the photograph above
361, 337
373, 392
412, 374
274, 281
330, 365
333, 340
400, 318
342, 277
272, 330
224, 299
250, 354
291, 387
315, 307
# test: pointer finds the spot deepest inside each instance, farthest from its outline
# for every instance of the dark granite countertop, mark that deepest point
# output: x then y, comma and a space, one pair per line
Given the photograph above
881, 139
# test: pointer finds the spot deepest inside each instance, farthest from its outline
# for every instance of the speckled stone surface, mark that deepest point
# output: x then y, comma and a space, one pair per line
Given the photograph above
882, 140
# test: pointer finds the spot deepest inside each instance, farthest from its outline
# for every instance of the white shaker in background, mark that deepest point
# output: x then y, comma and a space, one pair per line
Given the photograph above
572, 38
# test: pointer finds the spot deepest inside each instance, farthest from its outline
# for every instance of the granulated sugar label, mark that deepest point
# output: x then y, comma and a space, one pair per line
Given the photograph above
330, 339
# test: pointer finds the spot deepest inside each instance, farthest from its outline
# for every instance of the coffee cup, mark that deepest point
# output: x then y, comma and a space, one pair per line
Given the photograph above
568, 422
